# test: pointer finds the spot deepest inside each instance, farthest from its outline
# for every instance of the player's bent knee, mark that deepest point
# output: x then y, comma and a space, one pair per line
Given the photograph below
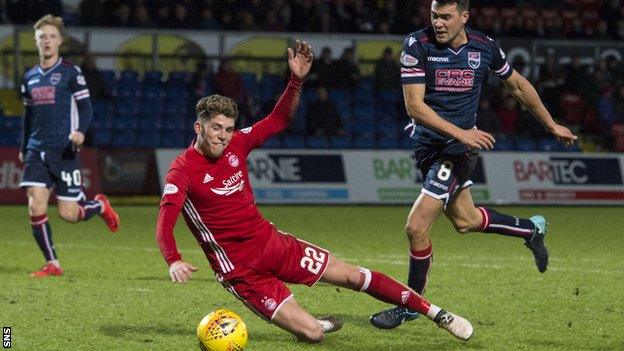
69, 215
463, 228
416, 233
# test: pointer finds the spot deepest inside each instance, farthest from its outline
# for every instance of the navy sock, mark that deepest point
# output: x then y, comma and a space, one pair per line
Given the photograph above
495, 222
43, 235
420, 263
89, 208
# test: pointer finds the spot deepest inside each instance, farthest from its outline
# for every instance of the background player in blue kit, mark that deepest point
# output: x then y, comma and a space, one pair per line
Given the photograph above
442, 68
57, 114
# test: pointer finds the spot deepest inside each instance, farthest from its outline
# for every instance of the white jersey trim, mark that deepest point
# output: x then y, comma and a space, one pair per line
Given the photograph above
207, 236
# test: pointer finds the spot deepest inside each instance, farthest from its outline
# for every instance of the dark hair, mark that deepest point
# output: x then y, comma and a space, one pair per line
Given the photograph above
210, 106
462, 5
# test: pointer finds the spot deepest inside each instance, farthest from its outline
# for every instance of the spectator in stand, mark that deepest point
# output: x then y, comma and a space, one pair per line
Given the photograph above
247, 22
95, 81
323, 69
207, 20
618, 104
602, 30
228, 82
387, 71
616, 70
198, 85
92, 13
364, 16
141, 17
487, 120
324, 24
347, 74
180, 17
163, 16
550, 82
575, 76
121, 16
322, 116
272, 23
39, 8
508, 113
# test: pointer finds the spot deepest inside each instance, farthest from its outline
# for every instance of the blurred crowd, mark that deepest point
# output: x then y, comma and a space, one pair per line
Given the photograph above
596, 19
589, 98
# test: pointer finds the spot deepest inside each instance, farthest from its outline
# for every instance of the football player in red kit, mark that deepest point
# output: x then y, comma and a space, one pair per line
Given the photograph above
251, 258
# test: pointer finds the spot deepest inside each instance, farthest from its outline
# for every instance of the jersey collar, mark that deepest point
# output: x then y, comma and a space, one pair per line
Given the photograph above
44, 72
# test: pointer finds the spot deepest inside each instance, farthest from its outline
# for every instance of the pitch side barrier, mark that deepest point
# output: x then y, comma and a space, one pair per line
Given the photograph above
388, 177
11, 173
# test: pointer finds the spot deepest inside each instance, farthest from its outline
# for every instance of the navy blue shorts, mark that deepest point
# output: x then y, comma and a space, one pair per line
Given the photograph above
54, 170
446, 169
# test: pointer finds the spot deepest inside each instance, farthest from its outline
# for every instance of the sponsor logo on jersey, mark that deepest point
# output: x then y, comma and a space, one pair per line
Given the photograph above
80, 79
43, 95
55, 78
33, 81
231, 185
207, 178
437, 59
170, 189
233, 160
438, 185
456, 80
408, 60
229, 190
246, 130
474, 59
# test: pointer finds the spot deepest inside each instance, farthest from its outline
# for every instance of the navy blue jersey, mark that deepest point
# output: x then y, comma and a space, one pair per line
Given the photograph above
452, 77
56, 103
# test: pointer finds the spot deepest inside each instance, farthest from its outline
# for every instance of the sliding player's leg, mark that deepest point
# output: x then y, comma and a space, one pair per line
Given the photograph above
386, 289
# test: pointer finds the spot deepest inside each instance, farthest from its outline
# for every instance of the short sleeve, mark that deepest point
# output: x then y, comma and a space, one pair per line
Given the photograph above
412, 62
500, 66
78, 84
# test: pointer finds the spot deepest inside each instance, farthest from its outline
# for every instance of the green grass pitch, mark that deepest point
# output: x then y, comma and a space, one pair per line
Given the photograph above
116, 293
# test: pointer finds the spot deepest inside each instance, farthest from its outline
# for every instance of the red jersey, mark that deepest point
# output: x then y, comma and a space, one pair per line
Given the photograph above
216, 196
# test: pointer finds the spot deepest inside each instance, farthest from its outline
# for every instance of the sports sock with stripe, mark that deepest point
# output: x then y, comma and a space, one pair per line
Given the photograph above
495, 222
88, 209
43, 235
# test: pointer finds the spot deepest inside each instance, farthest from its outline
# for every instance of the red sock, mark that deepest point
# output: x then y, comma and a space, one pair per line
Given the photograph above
386, 289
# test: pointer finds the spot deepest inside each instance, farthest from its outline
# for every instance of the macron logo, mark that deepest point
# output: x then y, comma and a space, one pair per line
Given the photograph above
207, 178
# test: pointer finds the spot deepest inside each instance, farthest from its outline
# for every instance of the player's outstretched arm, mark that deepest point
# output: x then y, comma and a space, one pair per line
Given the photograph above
300, 59
526, 94
180, 271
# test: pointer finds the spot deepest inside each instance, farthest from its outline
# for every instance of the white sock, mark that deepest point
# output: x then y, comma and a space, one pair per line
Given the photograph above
56, 263
325, 325
433, 311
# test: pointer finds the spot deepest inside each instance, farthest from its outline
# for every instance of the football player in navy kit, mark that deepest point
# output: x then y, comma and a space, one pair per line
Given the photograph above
57, 114
442, 68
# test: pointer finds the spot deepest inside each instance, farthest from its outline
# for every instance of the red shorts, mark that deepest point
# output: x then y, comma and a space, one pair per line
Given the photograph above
285, 259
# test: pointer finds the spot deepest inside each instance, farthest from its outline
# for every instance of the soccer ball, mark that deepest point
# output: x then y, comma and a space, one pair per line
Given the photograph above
222, 330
